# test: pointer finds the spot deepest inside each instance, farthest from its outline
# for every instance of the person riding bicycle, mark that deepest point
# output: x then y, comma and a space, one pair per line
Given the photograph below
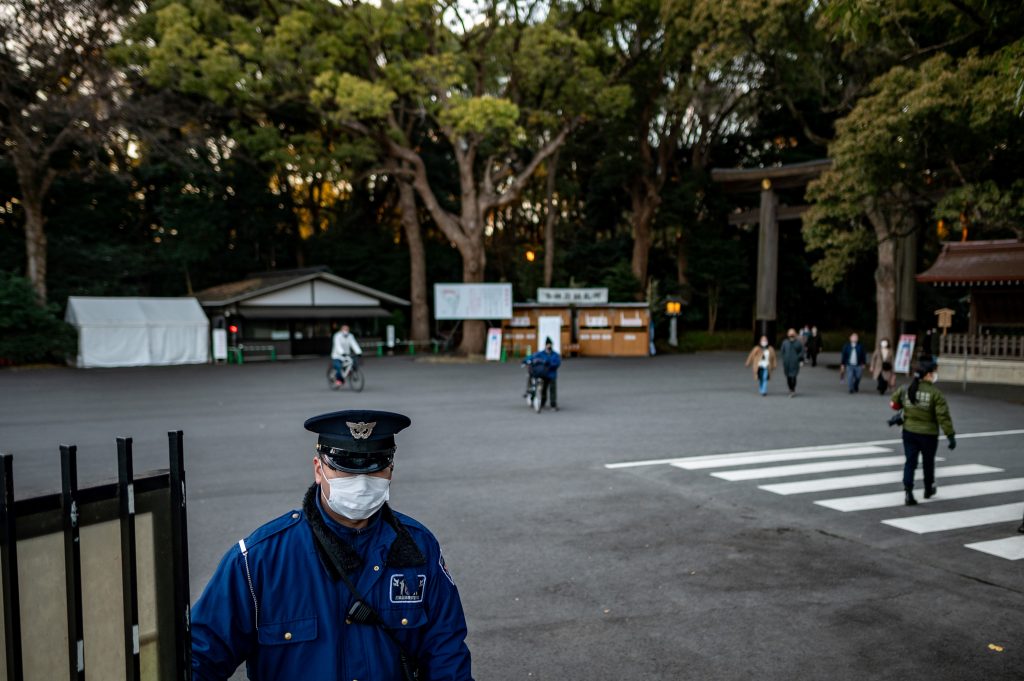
343, 347
544, 365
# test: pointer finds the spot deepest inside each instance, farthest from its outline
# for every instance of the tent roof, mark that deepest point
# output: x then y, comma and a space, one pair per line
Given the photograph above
266, 282
977, 262
95, 311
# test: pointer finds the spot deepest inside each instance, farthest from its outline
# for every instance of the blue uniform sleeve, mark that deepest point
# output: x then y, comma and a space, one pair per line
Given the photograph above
555, 361
223, 622
443, 649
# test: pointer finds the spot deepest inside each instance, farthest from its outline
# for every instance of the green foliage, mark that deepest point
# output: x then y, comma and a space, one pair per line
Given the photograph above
30, 333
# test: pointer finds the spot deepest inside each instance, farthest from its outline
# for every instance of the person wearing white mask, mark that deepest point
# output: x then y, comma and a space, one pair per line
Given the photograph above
345, 588
882, 367
762, 360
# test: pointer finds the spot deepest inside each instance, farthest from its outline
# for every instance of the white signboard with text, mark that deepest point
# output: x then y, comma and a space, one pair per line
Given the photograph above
549, 327
220, 345
473, 301
574, 296
904, 352
493, 344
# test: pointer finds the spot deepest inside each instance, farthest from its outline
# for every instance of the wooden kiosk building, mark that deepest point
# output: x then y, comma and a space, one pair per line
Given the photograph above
597, 330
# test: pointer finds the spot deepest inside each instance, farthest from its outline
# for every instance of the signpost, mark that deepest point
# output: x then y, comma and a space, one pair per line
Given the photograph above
945, 316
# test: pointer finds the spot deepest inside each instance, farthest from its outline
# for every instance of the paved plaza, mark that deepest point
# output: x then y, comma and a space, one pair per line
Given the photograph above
667, 523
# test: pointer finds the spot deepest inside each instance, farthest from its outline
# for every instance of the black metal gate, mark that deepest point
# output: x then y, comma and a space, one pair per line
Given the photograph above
109, 514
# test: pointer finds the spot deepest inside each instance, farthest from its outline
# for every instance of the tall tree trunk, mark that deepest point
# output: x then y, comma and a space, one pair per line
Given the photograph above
35, 243
886, 225
420, 329
550, 219
644, 200
474, 331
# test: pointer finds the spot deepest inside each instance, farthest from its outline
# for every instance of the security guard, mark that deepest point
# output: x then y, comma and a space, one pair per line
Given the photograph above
344, 588
924, 412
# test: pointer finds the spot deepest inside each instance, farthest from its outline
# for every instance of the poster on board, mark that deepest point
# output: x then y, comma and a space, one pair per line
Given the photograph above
472, 301
904, 352
493, 344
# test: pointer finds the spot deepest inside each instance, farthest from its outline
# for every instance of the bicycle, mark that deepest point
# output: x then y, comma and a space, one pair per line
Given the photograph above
351, 374
536, 368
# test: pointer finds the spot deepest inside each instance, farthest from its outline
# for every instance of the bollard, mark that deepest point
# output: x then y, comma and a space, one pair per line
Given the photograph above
504, 355
412, 348
380, 349
436, 346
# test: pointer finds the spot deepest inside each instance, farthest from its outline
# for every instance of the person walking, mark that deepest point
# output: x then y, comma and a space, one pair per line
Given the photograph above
853, 360
763, 361
549, 361
814, 346
792, 352
343, 588
882, 367
925, 411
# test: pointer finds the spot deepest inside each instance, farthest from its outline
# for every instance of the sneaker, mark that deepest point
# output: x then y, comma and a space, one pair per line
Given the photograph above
929, 492
555, 408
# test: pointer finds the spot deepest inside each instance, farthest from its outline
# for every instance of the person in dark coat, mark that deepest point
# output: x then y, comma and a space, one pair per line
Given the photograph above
853, 360
792, 352
814, 346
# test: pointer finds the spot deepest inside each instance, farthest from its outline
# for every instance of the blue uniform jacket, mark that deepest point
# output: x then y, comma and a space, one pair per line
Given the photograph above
292, 624
552, 360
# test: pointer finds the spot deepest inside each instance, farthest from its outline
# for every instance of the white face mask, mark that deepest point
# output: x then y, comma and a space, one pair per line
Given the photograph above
885, 344
764, 344
357, 497
935, 377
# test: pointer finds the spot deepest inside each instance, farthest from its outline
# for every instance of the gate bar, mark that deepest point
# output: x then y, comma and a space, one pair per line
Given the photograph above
9, 571
72, 559
179, 556
129, 570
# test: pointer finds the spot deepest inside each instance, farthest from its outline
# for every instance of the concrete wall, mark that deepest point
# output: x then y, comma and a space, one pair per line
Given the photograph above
1005, 371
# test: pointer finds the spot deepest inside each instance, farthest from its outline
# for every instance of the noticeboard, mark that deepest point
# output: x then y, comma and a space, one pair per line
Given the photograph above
904, 353
472, 301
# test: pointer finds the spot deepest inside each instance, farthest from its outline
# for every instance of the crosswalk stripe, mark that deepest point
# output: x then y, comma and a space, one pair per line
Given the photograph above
697, 463
660, 462
808, 468
845, 482
1011, 548
955, 520
894, 499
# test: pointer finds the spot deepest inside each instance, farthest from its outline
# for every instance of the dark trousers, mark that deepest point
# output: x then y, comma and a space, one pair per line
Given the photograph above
915, 444
791, 381
814, 357
547, 384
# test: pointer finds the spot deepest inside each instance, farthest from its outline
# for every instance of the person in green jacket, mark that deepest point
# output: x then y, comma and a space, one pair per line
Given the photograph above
924, 411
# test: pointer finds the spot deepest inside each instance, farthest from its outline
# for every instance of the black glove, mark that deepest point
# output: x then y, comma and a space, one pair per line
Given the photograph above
952, 441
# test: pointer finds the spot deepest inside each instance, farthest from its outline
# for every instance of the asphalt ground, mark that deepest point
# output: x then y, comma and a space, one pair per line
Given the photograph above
568, 569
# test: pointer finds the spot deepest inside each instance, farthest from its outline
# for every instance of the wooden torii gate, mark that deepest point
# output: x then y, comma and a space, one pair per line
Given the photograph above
767, 181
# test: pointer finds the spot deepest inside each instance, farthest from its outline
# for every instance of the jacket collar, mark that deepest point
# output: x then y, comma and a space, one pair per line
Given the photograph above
336, 554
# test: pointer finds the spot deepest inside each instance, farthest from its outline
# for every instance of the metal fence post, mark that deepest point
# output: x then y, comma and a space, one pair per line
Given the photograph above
9, 571
179, 553
72, 560
129, 572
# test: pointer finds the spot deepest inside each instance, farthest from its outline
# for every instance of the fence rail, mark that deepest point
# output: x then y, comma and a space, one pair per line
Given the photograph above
983, 346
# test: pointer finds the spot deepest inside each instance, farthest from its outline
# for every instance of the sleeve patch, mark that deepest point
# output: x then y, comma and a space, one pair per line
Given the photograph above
444, 568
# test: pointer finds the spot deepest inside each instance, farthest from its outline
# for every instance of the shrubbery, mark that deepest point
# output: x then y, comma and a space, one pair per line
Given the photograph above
29, 333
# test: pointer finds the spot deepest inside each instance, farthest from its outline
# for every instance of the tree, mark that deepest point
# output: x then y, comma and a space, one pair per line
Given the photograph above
503, 94
935, 137
56, 98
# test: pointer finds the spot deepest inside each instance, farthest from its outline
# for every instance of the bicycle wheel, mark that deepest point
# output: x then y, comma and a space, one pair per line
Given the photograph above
332, 383
356, 380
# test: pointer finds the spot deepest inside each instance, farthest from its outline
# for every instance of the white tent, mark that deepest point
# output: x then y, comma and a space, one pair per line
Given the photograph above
128, 332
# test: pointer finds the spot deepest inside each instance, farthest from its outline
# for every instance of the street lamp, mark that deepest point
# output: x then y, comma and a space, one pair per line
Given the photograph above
673, 308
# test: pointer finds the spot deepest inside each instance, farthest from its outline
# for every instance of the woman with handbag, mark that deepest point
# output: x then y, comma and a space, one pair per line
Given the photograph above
882, 367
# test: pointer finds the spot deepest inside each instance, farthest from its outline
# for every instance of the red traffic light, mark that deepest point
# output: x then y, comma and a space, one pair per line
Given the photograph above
233, 329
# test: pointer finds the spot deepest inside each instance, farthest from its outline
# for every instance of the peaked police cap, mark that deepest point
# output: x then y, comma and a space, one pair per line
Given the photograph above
357, 440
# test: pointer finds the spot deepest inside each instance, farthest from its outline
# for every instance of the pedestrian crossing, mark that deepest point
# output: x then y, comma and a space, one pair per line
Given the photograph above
867, 463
